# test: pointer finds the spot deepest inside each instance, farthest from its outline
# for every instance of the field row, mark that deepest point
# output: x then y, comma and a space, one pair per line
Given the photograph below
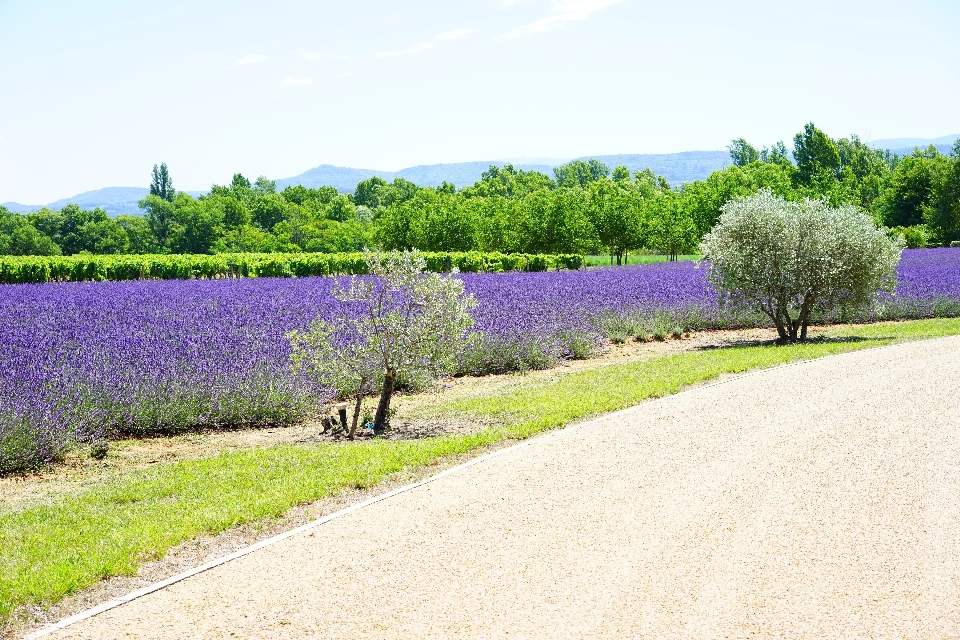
82, 268
84, 361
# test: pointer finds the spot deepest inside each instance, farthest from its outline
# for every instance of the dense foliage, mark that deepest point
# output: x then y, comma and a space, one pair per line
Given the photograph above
82, 268
583, 208
788, 260
84, 360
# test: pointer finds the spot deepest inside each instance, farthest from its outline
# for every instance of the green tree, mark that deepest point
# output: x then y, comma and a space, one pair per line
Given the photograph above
430, 221
372, 192
579, 173
776, 154
268, 209
198, 224
161, 218
248, 238
703, 199
161, 185
47, 222
263, 185
670, 227
621, 174
789, 259
742, 152
942, 213
555, 222
139, 234
817, 157
507, 182
341, 208
910, 187
20, 238
90, 231
240, 185
616, 214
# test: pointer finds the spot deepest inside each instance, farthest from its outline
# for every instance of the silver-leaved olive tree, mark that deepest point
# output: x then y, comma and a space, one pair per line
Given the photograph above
790, 259
397, 323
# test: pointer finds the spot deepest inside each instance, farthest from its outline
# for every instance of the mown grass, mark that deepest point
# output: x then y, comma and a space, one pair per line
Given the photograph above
604, 261
534, 408
67, 544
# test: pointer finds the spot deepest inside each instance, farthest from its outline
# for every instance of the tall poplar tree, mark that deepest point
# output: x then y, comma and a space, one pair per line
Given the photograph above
161, 185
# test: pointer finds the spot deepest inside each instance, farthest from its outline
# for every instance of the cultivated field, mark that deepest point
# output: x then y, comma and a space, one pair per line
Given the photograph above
126, 362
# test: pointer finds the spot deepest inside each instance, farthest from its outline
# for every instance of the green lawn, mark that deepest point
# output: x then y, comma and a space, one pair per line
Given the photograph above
54, 549
604, 261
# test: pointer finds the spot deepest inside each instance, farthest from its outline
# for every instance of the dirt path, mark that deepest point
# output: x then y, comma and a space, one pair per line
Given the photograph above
810, 501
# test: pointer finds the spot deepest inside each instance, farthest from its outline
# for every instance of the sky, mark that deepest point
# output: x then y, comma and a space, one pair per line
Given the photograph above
93, 94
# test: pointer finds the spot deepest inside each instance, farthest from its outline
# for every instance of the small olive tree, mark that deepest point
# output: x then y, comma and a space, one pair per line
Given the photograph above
398, 322
789, 259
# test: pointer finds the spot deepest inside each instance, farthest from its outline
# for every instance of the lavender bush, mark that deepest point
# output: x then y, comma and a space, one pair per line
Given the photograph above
83, 361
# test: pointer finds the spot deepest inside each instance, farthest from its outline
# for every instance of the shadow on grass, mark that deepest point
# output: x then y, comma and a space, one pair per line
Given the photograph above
813, 340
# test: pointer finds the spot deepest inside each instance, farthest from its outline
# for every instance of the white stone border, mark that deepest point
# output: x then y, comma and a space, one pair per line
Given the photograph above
133, 595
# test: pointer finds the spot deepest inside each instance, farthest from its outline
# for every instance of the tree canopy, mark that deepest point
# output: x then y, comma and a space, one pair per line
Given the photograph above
582, 207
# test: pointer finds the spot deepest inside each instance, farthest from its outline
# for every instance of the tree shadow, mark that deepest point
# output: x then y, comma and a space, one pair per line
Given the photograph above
735, 344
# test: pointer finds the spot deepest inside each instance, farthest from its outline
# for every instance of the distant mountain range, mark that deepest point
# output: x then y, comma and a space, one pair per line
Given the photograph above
680, 167
903, 146
676, 167
114, 200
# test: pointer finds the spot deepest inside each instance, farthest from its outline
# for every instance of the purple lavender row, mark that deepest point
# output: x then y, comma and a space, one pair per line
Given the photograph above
83, 361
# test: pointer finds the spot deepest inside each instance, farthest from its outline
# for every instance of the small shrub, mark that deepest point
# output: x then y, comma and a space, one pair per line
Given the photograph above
99, 450
915, 237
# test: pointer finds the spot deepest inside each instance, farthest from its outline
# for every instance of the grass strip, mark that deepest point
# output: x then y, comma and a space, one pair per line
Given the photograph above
52, 550
560, 400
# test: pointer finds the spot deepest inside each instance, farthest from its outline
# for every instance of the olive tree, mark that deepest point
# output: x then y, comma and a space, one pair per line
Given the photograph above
789, 259
398, 323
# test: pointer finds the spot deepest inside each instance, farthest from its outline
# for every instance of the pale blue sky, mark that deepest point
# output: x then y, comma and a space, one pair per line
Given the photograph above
94, 93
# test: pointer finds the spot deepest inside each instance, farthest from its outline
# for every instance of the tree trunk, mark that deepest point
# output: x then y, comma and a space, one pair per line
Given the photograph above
794, 327
784, 337
383, 409
356, 409
804, 319
781, 331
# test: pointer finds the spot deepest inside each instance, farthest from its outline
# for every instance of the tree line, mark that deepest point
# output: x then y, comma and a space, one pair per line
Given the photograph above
584, 207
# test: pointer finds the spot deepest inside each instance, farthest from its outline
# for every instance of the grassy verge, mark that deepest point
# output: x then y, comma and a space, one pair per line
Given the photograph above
556, 402
604, 261
54, 549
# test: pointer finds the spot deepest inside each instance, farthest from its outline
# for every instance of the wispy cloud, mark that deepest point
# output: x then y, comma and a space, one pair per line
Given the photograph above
563, 13
249, 60
297, 80
456, 34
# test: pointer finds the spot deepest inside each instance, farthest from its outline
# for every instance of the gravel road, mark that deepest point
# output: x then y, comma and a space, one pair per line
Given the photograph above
819, 500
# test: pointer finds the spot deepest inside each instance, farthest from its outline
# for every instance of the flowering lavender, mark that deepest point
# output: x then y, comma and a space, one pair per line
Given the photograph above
83, 361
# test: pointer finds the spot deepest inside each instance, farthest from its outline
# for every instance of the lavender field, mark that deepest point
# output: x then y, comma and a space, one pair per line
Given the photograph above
83, 361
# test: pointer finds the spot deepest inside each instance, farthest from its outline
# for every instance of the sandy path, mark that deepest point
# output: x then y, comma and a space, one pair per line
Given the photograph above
818, 500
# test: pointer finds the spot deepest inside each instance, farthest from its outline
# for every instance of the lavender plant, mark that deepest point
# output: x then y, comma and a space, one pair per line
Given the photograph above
84, 361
